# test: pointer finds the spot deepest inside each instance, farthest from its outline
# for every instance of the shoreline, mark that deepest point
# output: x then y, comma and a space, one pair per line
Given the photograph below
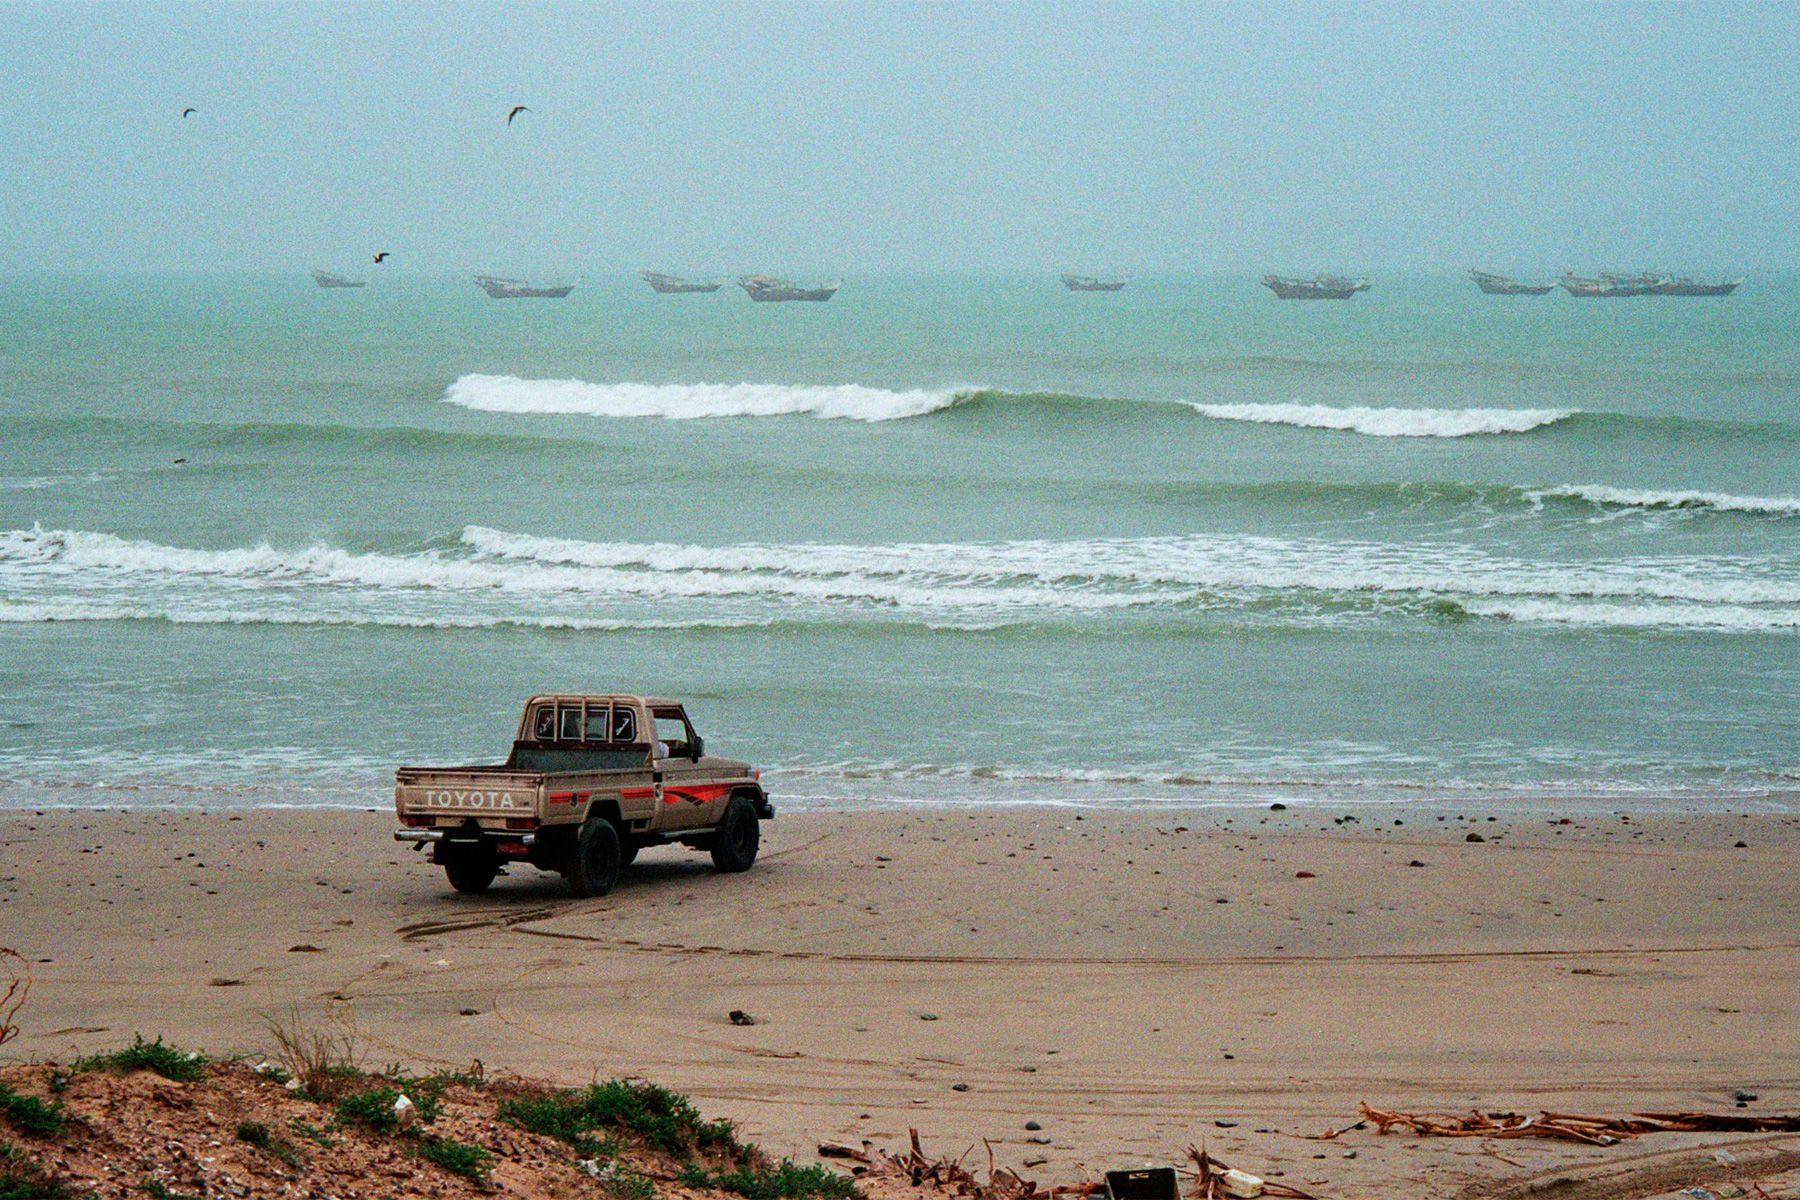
1133, 980
1409, 802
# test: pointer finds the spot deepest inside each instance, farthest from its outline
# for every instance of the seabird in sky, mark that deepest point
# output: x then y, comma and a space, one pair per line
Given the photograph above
382, 257
186, 112
516, 110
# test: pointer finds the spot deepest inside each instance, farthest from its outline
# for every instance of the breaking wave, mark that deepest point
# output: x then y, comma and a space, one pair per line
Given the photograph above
1601, 496
1391, 422
487, 577
686, 402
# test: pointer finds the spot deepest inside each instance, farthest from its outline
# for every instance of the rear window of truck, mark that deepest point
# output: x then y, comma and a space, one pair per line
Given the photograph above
611, 723
603, 723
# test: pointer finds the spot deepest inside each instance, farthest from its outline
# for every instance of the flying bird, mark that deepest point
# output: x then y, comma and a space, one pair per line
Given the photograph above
382, 257
186, 112
516, 110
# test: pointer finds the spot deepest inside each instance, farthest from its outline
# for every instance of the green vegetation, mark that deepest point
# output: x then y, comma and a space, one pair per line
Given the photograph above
784, 1180
312, 1133
625, 1184
665, 1120
629, 1184
23, 1179
30, 1115
167, 1061
259, 1135
156, 1190
461, 1158
373, 1108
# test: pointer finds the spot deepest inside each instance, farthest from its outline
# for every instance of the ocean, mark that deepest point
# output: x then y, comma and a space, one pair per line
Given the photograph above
941, 540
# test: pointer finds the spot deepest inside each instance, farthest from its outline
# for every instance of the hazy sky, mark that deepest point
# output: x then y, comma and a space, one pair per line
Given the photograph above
851, 137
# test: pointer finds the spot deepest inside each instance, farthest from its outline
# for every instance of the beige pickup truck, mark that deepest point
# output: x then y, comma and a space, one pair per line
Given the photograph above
589, 782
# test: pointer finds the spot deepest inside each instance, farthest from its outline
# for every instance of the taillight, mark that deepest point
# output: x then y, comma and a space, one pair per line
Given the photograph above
521, 822
412, 822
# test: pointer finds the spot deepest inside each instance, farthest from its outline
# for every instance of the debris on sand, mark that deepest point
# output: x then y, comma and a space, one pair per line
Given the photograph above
1573, 1127
920, 1170
1214, 1180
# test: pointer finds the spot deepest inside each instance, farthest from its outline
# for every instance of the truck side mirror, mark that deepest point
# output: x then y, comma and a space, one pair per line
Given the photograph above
699, 747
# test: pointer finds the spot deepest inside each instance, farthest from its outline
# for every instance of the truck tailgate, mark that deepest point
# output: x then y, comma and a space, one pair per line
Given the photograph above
464, 792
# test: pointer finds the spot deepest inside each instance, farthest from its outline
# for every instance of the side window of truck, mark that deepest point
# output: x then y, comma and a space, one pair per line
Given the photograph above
624, 724
543, 723
672, 728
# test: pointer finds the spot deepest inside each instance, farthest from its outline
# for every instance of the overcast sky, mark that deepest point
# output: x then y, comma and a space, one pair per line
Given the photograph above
850, 137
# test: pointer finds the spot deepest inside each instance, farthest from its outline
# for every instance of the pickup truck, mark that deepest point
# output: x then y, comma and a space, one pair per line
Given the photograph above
590, 781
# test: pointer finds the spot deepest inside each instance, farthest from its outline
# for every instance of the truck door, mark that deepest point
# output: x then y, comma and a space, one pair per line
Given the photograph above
688, 800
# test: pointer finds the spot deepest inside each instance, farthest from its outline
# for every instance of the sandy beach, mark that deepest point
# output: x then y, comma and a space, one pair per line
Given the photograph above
1130, 981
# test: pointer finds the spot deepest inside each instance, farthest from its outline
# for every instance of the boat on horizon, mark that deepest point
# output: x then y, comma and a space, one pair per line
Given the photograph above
1612, 284
501, 288
1092, 283
1682, 285
675, 284
1501, 285
1320, 287
769, 290
326, 279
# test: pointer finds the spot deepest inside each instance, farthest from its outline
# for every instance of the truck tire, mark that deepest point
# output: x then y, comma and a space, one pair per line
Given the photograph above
471, 870
595, 867
734, 844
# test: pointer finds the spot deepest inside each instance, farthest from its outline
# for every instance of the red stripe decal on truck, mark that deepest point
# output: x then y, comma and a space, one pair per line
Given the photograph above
636, 793
700, 793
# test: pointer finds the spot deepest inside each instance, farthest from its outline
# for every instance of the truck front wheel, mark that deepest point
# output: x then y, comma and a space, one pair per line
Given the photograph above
471, 869
734, 845
595, 866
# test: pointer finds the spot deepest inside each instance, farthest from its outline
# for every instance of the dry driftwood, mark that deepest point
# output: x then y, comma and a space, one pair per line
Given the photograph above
1209, 1173
15, 993
1572, 1127
949, 1175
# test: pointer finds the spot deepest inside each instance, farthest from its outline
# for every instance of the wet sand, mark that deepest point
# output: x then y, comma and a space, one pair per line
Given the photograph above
1131, 981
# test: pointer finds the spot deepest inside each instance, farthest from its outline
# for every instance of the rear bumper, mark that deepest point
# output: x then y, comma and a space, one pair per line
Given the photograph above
464, 835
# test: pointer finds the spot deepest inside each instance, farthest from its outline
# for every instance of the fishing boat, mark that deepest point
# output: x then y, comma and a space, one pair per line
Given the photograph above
1683, 286
1611, 285
770, 290
326, 279
1500, 285
1091, 283
675, 284
1634, 283
1587, 288
501, 288
1320, 287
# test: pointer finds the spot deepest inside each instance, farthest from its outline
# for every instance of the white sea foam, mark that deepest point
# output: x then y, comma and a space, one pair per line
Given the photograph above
685, 402
75, 611
1183, 567
1729, 617
1391, 422
1602, 496
495, 577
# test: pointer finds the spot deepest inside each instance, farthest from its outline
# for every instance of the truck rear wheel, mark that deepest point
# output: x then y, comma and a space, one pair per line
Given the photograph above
595, 867
734, 844
471, 869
